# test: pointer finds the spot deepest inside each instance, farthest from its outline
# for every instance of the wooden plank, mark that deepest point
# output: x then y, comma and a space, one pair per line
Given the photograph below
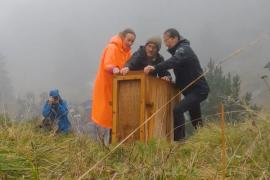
158, 93
160, 98
149, 108
115, 110
142, 109
129, 106
130, 77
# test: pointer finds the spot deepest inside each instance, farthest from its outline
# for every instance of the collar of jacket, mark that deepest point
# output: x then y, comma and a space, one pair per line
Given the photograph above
142, 52
176, 46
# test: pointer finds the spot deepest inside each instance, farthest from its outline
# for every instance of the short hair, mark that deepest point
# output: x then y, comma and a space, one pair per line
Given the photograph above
127, 31
173, 33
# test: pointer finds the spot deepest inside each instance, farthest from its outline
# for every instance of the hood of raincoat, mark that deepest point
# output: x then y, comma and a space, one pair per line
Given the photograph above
117, 40
54, 92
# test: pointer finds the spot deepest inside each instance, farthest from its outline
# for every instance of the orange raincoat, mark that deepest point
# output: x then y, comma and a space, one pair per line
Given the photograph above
113, 56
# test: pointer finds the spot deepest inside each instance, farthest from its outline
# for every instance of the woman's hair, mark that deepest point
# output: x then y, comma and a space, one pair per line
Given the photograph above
127, 31
173, 33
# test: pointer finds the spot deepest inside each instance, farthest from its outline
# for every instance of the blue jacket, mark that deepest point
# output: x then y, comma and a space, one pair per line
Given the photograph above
58, 112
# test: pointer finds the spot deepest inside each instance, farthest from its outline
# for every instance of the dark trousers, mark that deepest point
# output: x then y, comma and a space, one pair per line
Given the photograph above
191, 103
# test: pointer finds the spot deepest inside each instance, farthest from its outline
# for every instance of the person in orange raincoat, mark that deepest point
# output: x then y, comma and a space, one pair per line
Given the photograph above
113, 58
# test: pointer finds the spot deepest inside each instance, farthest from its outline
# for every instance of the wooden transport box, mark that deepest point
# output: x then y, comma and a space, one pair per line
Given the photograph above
136, 97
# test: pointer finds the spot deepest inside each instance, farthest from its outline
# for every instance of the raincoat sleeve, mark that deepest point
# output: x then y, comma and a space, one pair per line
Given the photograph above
63, 108
46, 110
110, 58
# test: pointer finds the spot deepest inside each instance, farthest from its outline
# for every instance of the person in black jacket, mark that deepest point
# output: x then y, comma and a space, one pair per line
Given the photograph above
147, 55
187, 68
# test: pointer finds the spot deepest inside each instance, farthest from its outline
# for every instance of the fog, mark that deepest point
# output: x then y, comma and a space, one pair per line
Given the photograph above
57, 43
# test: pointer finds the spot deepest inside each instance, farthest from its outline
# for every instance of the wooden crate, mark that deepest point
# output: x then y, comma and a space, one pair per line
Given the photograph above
136, 97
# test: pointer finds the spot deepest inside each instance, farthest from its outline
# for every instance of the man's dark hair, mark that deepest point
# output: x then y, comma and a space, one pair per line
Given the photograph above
173, 33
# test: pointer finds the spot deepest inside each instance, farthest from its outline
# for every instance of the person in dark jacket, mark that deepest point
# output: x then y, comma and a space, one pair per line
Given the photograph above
56, 108
187, 68
147, 55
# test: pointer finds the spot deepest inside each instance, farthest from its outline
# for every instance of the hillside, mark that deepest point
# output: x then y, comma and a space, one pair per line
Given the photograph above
28, 153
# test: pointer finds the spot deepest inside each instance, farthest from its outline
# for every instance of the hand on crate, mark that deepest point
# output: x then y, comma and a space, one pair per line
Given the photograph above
148, 69
116, 70
167, 78
124, 70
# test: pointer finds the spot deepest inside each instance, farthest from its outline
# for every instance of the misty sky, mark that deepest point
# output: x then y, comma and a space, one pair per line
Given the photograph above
57, 43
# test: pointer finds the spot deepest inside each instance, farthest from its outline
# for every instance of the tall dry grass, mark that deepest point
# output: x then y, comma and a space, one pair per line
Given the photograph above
28, 153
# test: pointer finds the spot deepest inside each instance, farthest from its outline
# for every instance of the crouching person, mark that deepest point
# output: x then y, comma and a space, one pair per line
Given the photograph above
55, 109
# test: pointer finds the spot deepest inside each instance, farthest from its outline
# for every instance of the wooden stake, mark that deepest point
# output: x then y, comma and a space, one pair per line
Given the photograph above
223, 145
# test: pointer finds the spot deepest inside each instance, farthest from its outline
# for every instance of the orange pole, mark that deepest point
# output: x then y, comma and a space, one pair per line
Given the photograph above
223, 145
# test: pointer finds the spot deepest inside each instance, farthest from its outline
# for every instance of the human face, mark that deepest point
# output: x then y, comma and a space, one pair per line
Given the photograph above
55, 99
128, 41
169, 41
151, 50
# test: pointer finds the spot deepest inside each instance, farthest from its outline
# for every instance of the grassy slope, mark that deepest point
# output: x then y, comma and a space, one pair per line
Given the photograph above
28, 153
